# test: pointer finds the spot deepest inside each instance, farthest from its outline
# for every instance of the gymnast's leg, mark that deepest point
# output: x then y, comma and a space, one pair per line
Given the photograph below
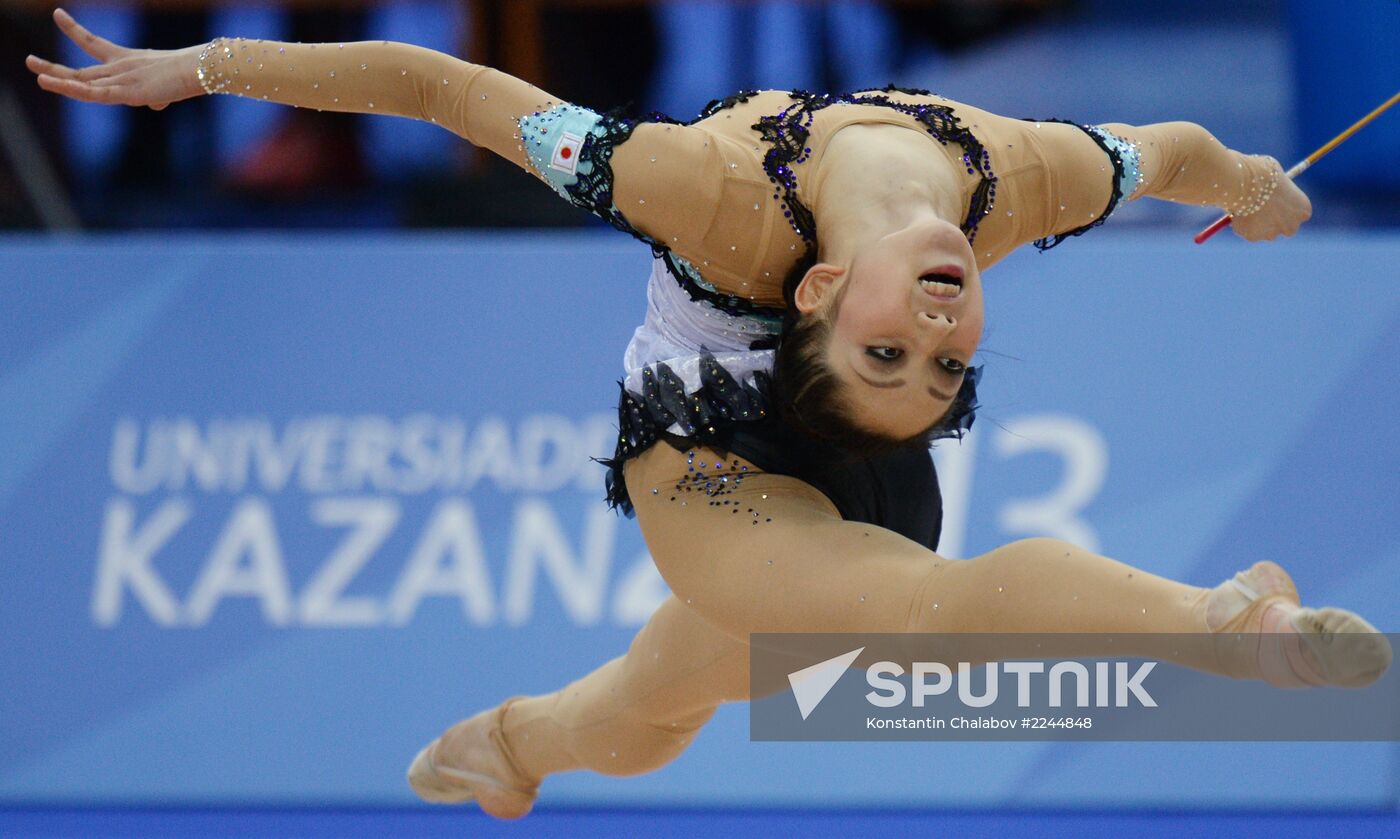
755, 552
634, 714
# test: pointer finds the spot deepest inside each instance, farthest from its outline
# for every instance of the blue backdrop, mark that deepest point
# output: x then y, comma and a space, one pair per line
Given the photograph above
275, 510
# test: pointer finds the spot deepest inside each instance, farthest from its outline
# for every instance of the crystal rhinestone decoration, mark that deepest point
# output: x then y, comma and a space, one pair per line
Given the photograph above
211, 79
1261, 187
706, 415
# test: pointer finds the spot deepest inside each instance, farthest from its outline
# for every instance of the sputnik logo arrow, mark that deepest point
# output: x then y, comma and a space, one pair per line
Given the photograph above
810, 685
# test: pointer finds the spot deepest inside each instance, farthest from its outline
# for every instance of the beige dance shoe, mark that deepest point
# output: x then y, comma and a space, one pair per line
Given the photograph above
1288, 645
493, 780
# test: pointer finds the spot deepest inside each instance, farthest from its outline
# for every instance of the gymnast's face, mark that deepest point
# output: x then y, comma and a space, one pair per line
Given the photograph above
906, 318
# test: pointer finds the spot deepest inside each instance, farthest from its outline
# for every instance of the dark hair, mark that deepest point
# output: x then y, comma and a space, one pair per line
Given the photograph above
809, 396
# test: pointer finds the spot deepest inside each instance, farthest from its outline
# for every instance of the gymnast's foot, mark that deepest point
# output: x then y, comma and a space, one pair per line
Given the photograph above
1230, 598
471, 762
1263, 632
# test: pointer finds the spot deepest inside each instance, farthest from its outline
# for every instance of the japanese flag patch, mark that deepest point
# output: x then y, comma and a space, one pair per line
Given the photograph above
565, 158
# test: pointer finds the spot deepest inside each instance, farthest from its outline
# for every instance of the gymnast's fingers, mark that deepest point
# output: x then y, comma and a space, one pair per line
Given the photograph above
95, 46
39, 65
104, 91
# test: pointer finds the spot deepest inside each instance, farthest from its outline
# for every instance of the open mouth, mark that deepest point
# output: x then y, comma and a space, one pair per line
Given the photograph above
944, 283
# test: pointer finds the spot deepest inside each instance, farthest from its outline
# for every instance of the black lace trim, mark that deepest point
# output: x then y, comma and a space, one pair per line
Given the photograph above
708, 416
717, 105
728, 303
1119, 173
593, 191
711, 415
788, 132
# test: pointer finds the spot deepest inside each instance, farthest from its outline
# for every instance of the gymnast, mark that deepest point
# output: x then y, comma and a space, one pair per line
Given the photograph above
813, 310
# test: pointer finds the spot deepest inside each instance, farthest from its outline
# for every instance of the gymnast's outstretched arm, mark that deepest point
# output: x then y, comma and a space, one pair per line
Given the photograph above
1184, 163
659, 192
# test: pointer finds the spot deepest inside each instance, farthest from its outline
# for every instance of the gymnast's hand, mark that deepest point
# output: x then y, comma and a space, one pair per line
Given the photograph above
1284, 211
153, 78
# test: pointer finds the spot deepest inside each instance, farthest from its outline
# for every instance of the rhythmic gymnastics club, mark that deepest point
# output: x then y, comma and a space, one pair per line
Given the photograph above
1301, 166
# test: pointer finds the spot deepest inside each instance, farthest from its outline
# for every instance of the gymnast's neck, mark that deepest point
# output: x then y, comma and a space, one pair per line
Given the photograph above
874, 180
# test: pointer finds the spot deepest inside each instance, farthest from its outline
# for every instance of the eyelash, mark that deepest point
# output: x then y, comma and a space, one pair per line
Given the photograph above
950, 365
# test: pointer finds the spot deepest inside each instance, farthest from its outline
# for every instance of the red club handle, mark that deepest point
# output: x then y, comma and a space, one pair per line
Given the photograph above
1219, 225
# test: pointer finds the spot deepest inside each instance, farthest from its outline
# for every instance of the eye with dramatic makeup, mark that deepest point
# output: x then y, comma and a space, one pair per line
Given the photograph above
952, 365
885, 354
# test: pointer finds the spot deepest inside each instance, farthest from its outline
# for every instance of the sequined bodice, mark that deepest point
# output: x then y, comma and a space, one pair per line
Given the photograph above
772, 146
765, 151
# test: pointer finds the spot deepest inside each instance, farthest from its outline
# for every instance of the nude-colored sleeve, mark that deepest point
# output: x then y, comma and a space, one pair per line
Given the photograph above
1173, 161
1183, 162
664, 177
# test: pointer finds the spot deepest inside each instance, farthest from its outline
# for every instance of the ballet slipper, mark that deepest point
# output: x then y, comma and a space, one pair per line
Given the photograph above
1265, 578
1291, 646
1348, 650
1231, 597
499, 797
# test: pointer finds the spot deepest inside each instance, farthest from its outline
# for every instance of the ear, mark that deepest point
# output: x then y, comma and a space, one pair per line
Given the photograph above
818, 284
